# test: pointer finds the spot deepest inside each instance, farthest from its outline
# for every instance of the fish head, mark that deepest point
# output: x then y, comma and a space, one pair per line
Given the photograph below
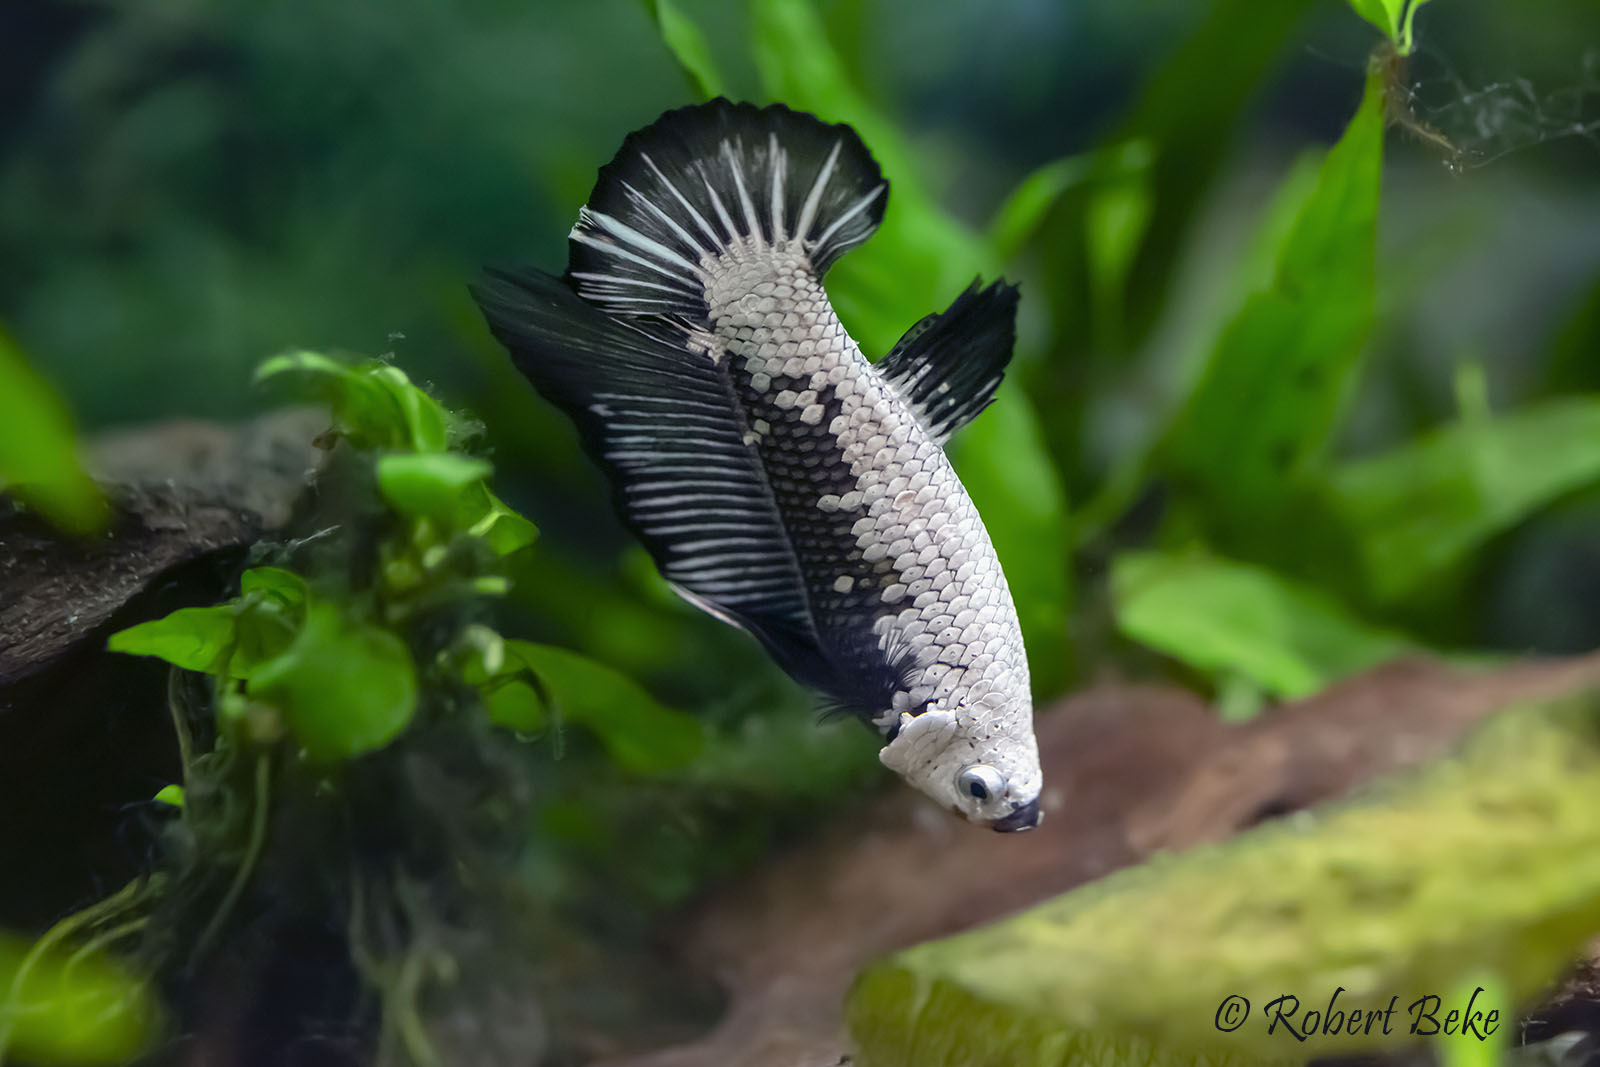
980, 761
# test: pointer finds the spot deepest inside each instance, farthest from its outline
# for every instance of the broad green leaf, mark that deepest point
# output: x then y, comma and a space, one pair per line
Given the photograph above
1232, 621
1393, 17
431, 485
38, 452
427, 424
1269, 398
1486, 861
1419, 510
232, 638
688, 46
344, 686
285, 587
169, 794
640, 734
374, 404
64, 1006
196, 639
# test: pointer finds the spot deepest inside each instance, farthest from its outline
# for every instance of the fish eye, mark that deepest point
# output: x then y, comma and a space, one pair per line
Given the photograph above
980, 782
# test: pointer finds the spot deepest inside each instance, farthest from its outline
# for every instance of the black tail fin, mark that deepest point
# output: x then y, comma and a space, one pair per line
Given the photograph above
701, 181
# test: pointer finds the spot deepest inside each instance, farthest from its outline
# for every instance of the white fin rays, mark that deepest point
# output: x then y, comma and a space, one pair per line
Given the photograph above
734, 155
777, 162
808, 211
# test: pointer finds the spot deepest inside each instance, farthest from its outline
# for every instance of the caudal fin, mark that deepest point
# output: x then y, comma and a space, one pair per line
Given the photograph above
702, 181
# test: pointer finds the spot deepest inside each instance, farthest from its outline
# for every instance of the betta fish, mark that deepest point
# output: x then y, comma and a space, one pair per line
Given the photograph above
779, 480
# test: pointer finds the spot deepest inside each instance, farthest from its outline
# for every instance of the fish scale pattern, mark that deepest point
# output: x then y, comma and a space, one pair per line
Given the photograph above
892, 551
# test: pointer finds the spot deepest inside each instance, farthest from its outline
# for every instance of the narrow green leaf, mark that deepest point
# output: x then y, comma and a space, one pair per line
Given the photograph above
1499, 843
1421, 509
688, 46
431, 485
1022, 212
1384, 14
196, 639
1393, 18
38, 452
640, 734
1290, 354
61, 1005
345, 687
1235, 621
1114, 224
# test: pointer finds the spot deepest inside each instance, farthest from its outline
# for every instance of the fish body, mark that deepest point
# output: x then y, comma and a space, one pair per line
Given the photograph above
780, 481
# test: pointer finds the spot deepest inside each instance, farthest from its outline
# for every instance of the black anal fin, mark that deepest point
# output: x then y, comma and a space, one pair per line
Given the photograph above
657, 415
948, 366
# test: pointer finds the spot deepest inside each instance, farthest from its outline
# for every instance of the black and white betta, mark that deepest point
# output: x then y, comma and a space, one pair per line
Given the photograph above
780, 481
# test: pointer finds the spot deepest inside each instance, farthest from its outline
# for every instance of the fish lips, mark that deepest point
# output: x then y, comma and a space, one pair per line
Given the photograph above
1022, 817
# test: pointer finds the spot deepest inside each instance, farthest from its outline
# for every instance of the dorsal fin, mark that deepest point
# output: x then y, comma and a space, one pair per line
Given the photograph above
698, 181
948, 366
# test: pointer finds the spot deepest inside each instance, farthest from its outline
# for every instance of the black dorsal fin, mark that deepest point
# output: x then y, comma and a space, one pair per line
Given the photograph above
700, 179
657, 415
948, 366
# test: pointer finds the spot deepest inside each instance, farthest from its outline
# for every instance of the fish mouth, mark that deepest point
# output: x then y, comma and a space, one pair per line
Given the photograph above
1022, 817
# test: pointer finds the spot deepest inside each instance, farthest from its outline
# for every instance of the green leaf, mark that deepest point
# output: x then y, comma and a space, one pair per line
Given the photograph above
373, 404
1235, 621
515, 705
1114, 224
62, 1005
427, 424
169, 794
1393, 17
1020, 216
640, 734
1261, 415
286, 588
196, 639
504, 529
688, 46
430, 485
1489, 860
344, 686
1423, 508
38, 452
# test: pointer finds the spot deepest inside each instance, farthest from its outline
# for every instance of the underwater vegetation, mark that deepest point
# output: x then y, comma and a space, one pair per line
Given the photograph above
351, 727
